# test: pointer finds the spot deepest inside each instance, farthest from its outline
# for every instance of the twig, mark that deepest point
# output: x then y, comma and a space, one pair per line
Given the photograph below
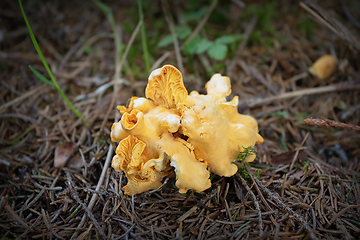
330, 88
260, 194
117, 116
67, 56
89, 214
339, 214
261, 231
48, 225
333, 24
118, 72
292, 164
34, 200
249, 29
318, 122
187, 214
349, 15
143, 38
297, 77
317, 16
94, 196
160, 60
202, 22
35, 91
282, 205
170, 21
261, 79
297, 152
128, 231
17, 218
18, 115
117, 76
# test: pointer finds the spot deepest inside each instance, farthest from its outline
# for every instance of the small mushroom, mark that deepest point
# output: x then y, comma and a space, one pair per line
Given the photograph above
323, 67
218, 88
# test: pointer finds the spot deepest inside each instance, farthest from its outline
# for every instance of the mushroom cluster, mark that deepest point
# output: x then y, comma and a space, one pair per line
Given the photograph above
171, 131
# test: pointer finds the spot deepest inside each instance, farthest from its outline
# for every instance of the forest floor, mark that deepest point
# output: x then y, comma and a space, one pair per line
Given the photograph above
56, 181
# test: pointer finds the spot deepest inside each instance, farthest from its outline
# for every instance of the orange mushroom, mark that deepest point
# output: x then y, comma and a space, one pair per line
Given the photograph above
323, 67
166, 87
131, 154
189, 134
217, 132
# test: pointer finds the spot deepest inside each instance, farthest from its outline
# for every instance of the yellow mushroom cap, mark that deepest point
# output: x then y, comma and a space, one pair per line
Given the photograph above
142, 104
190, 173
166, 87
131, 155
215, 129
323, 67
218, 88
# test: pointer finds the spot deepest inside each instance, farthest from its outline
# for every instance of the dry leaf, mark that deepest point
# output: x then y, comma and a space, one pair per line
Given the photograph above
76, 162
63, 153
287, 157
297, 175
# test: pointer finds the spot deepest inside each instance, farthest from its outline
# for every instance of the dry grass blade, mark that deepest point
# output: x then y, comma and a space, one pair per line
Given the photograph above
261, 230
35, 92
286, 208
17, 218
336, 26
170, 22
202, 22
98, 186
48, 225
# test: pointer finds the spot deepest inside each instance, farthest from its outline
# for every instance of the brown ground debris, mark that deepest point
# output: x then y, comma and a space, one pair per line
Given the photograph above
304, 183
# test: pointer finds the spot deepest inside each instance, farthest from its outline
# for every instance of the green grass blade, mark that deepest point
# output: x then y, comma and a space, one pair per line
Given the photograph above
348, 195
41, 77
38, 50
109, 15
143, 39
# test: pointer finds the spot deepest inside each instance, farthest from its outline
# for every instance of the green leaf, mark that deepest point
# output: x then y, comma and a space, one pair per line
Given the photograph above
43, 60
306, 165
197, 15
341, 105
41, 77
218, 51
143, 38
283, 145
182, 32
203, 45
166, 41
283, 114
228, 39
191, 47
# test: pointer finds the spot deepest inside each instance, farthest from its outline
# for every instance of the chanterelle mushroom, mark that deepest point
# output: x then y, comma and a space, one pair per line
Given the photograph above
323, 67
190, 134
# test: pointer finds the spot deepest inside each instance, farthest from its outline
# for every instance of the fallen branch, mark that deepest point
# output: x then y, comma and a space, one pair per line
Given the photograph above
327, 123
309, 91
